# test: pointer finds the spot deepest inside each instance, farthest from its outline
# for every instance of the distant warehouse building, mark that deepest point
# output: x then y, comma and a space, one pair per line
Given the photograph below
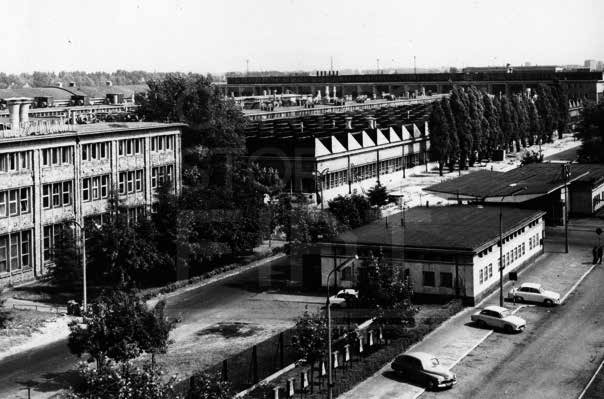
324, 156
53, 174
446, 251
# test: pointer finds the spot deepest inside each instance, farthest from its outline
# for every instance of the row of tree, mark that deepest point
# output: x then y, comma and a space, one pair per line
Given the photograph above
591, 133
471, 124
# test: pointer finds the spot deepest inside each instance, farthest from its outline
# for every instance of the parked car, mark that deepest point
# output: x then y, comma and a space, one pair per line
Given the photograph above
498, 317
343, 297
425, 369
534, 292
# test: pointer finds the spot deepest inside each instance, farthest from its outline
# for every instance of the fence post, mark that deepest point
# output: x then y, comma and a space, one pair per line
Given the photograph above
255, 364
281, 350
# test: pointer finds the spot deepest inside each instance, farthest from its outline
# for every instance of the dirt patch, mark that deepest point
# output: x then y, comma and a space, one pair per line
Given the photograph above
230, 330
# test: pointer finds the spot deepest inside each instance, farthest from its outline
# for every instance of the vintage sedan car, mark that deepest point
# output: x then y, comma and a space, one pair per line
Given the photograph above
423, 368
500, 318
343, 297
533, 292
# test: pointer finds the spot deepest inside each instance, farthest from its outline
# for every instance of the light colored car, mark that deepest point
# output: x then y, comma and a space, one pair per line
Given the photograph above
425, 369
533, 292
343, 296
500, 318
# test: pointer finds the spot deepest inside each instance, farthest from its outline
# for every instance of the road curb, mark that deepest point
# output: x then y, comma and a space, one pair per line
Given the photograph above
591, 380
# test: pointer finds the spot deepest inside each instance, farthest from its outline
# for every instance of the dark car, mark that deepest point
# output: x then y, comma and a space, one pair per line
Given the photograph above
424, 369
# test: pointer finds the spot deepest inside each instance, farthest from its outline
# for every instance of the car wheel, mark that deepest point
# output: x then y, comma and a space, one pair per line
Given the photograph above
508, 329
548, 302
431, 385
519, 299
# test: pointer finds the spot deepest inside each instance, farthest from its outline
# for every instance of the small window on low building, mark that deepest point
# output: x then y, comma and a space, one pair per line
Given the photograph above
446, 279
428, 279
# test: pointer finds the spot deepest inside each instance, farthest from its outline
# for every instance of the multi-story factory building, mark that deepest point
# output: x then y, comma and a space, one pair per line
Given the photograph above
53, 174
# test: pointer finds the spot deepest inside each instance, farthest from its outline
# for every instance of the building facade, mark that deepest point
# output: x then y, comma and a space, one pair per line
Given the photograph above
52, 174
445, 251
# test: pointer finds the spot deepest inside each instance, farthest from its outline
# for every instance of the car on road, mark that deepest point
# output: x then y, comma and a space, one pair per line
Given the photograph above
425, 369
500, 318
344, 297
534, 292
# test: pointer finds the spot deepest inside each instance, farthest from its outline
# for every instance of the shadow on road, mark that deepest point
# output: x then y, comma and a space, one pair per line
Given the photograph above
53, 381
400, 378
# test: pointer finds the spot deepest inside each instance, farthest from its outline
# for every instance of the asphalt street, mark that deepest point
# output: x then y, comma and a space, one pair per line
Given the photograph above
51, 367
554, 358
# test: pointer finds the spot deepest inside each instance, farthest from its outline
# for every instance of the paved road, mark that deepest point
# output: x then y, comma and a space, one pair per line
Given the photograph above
554, 358
230, 299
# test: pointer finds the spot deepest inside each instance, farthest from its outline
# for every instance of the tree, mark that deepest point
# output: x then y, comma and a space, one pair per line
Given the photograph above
529, 157
453, 154
351, 210
309, 339
66, 267
118, 326
591, 133
440, 141
120, 381
377, 195
209, 386
463, 123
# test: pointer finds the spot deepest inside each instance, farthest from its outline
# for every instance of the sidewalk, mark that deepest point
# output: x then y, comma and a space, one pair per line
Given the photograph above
456, 338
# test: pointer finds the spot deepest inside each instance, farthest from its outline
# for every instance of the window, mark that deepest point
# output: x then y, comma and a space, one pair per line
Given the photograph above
66, 155
480, 276
3, 163
428, 279
86, 189
51, 235
93, 151
25, 160
120, 147
104, 186
3, 207
3, 254
66, 193
96, 183
13, 198
25, 198
104, 151
128, 147
153, 143
160, 142
490, 270
523, 249
85, 152
446, 280
169, 142
139, 180
154, 177
137, 146
130, 182
46, 196
122, 183
14, 251
25, 249
55, 156
12, 161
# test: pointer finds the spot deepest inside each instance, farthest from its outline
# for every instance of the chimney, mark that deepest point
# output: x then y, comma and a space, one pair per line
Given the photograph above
371, 123
13, 105
108, 83
348, 123
24, 110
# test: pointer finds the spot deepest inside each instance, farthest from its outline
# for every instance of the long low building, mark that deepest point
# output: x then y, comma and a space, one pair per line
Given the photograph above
445, 251
335, 154
53, 174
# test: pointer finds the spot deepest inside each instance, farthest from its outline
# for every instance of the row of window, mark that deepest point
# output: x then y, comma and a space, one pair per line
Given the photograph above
485, 274
446, 279
131, 147
57, 156
131, 181
95, 151
534, 241
95, 188
51, 234
161, 174
57, 195
369, 171
15, 161
514, 254
15, 251
162, 143
15, 202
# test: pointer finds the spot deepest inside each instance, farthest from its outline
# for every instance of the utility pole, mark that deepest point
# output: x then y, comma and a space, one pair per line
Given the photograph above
566, 175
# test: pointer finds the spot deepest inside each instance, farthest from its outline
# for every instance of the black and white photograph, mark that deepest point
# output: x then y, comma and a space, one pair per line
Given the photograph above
301, 199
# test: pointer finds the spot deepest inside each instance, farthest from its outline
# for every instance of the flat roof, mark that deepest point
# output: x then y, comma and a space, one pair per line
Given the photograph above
457, 227
89, 129
534, 179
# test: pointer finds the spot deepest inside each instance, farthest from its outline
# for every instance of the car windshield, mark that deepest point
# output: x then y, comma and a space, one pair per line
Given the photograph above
505, 313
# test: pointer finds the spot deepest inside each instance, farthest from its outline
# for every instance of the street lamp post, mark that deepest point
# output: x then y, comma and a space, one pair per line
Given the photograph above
83, 256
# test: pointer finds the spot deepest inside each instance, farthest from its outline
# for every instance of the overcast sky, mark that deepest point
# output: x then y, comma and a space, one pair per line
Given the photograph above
218, 36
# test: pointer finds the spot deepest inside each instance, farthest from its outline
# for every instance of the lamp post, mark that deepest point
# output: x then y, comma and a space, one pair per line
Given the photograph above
83, 255
566, 175
320, 175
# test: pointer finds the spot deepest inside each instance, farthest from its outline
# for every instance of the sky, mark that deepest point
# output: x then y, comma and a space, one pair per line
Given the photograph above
219, 36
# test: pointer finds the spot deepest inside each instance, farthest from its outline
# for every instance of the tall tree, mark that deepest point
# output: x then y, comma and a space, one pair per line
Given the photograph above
453, 153
591, 133
440, 142
463, 124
